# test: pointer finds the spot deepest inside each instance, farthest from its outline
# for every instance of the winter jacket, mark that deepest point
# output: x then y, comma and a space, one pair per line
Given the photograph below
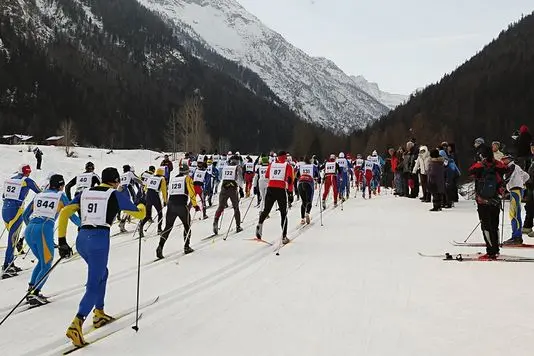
422, 162
477, 171
436, 175
522, 144
516, 177
409, 161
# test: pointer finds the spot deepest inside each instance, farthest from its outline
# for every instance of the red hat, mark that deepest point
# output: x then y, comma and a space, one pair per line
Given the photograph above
25, 169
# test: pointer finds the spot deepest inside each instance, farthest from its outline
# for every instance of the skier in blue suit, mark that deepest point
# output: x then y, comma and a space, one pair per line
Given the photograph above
40, 217
15, 191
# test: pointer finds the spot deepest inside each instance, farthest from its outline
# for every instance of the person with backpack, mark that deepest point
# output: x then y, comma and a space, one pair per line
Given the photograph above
516, 179
489, 184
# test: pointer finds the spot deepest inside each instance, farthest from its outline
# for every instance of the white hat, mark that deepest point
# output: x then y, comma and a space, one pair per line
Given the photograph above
374, 153
332, 156
341, 155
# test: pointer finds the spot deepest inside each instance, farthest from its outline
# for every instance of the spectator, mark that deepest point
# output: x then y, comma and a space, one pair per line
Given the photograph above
167, 163
38, 156
522, 146
496, 148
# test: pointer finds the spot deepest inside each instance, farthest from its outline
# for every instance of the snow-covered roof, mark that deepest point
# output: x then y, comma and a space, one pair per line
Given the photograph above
54, 138
20, 137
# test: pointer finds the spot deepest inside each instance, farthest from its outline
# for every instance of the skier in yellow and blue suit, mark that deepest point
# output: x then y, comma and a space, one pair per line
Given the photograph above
98, 207
15, 191
40, 217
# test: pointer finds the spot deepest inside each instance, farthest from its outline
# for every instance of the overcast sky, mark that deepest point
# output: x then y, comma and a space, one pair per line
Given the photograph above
400, 44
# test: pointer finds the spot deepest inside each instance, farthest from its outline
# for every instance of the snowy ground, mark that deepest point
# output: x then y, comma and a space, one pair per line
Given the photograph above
355, 286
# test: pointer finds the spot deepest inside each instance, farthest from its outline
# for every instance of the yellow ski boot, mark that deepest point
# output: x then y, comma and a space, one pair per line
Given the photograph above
100, 318
75, 333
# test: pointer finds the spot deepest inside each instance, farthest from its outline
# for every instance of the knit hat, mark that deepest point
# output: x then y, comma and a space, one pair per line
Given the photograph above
434, 153
265, 161
110, 175
56, 181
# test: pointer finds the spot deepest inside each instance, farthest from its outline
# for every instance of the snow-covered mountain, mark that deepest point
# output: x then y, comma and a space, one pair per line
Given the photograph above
388, 99
315, 88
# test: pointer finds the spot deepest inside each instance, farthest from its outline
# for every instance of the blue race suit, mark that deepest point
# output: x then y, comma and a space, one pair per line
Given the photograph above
39, 235
12, 214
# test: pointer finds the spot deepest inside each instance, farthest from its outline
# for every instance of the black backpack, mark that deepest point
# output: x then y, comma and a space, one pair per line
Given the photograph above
488, 185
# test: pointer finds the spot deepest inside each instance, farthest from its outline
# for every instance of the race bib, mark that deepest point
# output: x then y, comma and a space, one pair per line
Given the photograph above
306, 170
84, 181
342, 162
199, 176
249, 167
144, 177
45, 205
229, 173
177, 186
278, 172
94, 207
369, 165
330, 167
154, 183
210, 170
263, 172
12, 188
126, 178
359, 162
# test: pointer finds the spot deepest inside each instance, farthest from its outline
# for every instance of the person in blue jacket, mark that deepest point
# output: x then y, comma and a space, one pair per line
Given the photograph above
40, 217
451, 173
15, 191
343, 176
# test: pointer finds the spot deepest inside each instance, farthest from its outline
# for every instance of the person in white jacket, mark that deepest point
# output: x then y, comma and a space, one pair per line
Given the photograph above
516, 179
421, 166
260, 181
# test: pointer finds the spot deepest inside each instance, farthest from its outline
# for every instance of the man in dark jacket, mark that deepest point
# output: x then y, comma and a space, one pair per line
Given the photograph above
38, 156
167, 163
489, 186
436, 179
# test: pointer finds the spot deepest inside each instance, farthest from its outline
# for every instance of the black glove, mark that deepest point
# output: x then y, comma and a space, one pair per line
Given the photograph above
241, 193
256, 191
64, 249
197, 208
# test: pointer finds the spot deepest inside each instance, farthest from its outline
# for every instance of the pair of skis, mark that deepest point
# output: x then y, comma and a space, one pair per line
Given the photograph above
477, 257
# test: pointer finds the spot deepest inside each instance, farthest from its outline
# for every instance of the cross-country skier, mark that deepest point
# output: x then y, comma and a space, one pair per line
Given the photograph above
516, 179
331, 171
40, 217
201, 179
343, 176
262, 181
87, 179
232, 178
307, 174
213, 171
15, 191
358, 172
280, 175
98, 208
488, 175
156, 185
130, 182
249, 175
368, 175
181, 194
147, 174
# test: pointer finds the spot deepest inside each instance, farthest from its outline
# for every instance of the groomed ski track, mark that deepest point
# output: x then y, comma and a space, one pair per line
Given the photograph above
355, 286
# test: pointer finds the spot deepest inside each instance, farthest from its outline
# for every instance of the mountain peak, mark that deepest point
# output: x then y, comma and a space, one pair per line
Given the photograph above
371, 88
314, 87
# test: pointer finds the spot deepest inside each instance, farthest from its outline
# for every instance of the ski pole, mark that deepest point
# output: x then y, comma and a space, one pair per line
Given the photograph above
31, 290
136, 326
502, 227
188, 234
229, 227
246, 212
472, 232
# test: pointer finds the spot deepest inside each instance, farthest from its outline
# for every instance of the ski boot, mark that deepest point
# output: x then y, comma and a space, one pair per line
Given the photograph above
100, 318
75, 333
238, 229
216, 226
9, 272
302, 221
259, 229
324, 205
335, 204
514, 241
36, 299
160, 230
188, 250
122, 226
285, 240
205, 217
308, 219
